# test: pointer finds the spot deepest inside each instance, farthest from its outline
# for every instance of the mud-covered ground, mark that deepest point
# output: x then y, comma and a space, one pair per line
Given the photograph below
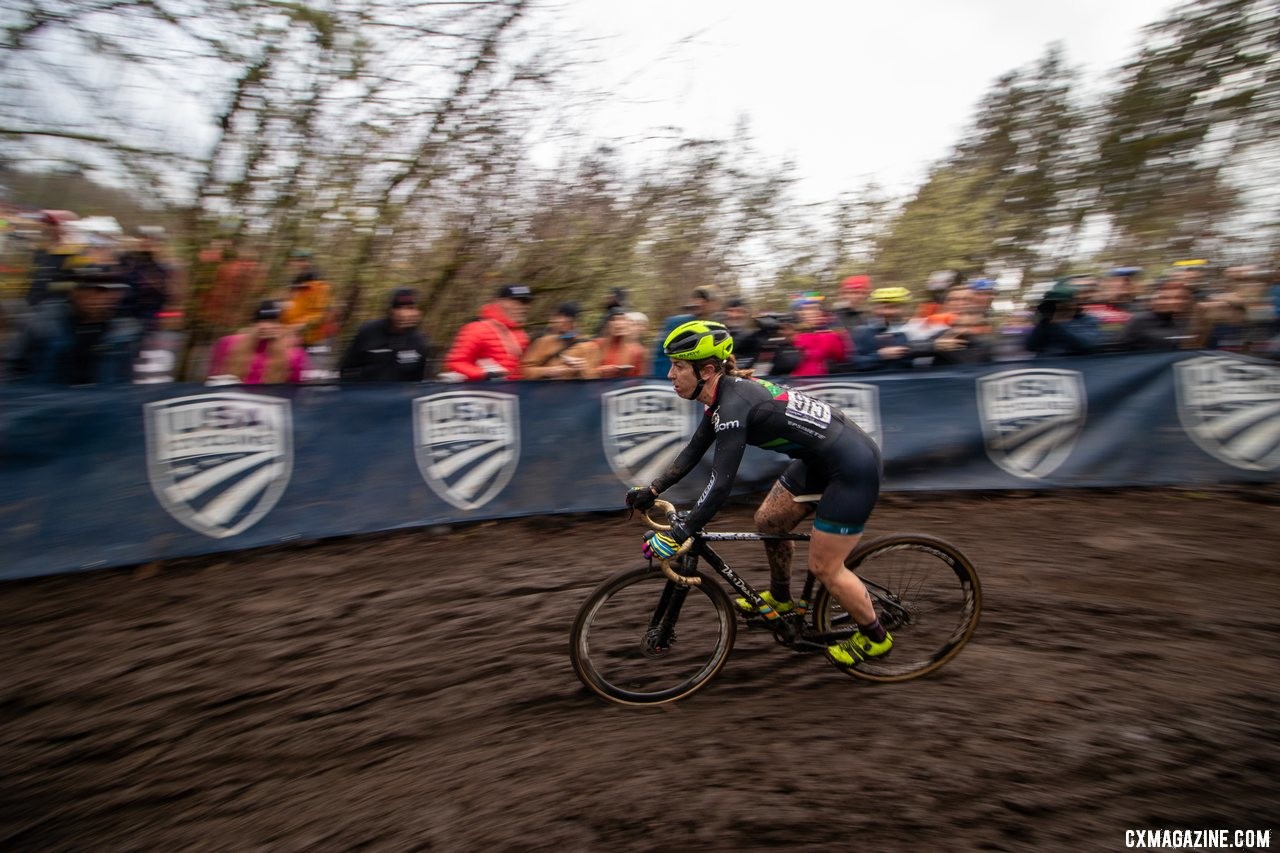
412, 691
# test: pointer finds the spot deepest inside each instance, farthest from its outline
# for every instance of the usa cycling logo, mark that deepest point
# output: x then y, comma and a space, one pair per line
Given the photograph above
859, 401
1031, 418
644, 429
1231, 409
219, 462
467, 444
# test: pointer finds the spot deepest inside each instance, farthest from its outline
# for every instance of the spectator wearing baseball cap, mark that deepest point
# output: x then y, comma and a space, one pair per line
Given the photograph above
1062, 327
616, 299
983, 288
703, 304
746, 335
266, 353
491, 346
562, 353
391, 348
80, 340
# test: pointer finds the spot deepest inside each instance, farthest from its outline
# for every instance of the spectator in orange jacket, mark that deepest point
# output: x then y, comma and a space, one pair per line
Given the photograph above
490, 346
621, 353
309, 308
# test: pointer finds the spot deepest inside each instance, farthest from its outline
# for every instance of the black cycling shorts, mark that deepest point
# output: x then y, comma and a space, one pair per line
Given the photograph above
847, 476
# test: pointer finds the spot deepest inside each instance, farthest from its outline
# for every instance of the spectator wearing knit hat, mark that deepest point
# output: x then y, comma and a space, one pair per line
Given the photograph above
391, 348
850, 307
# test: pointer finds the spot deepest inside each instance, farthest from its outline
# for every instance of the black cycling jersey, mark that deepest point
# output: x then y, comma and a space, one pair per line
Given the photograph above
833, 455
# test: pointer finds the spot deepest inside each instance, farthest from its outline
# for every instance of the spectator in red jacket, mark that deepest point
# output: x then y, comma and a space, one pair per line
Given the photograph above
822, 348
490, 346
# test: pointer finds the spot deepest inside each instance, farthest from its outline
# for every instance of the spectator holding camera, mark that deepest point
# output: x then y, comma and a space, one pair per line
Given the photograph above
1062, 327
266, 353
968, 340
561, 353
621, 353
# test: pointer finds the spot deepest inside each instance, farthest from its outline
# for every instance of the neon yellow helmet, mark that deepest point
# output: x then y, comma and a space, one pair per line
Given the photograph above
891, 294
699, 339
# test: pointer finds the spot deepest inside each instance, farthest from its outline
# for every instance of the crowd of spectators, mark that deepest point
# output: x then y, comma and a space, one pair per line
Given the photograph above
93, 295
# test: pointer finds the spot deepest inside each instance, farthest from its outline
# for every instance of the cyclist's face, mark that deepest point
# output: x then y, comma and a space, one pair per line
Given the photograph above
683, 378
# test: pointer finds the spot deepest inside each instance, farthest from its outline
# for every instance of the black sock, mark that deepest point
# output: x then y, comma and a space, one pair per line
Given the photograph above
781, 592
874, 632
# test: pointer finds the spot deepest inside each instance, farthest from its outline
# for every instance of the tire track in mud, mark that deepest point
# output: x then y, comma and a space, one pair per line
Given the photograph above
414, 691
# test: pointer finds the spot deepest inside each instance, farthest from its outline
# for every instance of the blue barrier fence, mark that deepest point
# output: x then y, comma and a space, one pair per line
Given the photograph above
97, 477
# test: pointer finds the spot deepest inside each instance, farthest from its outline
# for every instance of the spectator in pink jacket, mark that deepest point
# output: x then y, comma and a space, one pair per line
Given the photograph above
267, 353
823, 349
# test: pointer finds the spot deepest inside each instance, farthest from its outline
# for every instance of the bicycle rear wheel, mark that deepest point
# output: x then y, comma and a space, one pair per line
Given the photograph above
641, 639
928, 597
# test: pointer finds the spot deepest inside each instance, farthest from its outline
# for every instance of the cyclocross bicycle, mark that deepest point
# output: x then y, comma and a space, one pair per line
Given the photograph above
654, 634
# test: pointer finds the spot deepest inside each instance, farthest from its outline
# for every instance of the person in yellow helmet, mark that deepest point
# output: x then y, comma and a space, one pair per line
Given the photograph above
830, 456
883, 344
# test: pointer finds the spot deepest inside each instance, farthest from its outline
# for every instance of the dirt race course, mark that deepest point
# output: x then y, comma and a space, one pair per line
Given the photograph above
412, 691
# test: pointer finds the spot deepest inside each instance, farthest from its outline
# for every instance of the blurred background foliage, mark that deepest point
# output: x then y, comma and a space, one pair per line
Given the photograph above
404, 145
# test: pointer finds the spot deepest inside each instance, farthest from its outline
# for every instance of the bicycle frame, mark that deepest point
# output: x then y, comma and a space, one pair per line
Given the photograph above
788, 631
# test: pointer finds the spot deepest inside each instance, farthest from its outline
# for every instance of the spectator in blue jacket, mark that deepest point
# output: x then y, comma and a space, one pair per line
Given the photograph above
80, 341
883, 342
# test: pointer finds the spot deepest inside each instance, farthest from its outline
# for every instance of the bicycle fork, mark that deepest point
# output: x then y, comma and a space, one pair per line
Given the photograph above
661, 634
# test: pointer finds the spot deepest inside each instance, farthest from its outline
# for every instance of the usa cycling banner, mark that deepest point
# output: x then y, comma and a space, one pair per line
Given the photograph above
99, 477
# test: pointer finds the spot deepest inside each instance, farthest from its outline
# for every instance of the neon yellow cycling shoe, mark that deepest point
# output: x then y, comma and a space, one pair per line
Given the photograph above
858, 648
748, 608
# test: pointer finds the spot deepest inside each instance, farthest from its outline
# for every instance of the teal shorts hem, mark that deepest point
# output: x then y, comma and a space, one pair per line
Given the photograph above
837, 528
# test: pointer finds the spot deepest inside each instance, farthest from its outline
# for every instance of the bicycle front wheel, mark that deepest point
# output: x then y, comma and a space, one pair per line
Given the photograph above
927, 595
641, 639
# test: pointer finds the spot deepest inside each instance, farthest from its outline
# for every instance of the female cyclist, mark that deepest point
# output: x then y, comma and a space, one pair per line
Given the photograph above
831, 454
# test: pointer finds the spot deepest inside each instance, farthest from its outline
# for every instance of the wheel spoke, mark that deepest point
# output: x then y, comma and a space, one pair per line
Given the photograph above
927, 596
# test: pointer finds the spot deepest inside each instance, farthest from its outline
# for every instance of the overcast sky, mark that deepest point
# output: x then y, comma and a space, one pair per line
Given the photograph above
851, 90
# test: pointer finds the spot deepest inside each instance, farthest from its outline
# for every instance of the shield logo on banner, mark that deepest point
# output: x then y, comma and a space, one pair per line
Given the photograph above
859, 401
219, 462
1031, 418
1231, 409
467, 444
644, 430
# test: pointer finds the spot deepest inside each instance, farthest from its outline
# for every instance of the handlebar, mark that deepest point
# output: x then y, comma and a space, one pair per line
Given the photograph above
668, 509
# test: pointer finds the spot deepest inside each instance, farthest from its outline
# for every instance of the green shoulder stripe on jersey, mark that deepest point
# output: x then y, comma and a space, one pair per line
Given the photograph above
775, 390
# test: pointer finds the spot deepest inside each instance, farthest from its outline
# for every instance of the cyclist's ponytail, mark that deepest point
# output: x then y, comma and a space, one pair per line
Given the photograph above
727, 366
731, 368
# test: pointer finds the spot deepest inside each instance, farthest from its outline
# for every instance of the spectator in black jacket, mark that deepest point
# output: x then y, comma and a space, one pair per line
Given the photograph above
390, 349
1167, 323
1062, 326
